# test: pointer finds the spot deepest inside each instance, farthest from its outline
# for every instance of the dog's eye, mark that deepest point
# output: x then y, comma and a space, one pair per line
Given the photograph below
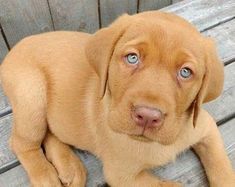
132, 58
185, 73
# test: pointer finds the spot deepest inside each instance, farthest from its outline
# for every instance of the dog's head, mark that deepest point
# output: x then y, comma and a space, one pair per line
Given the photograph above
156, 70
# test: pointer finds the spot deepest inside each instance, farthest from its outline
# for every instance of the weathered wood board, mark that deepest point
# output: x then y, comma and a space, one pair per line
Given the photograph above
75, 15
6, 155
224, 36
176, 1
4, 104
3, 48
186, 169
204, 14
152, 4
27, 16
110, 10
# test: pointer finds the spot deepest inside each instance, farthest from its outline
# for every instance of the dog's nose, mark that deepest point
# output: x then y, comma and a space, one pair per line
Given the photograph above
147, 117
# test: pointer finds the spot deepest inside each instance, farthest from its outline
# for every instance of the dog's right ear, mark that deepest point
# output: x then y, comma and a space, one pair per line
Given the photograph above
101, 45
213, 79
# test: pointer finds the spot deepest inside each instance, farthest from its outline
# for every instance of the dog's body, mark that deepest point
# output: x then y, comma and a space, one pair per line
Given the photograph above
62, 94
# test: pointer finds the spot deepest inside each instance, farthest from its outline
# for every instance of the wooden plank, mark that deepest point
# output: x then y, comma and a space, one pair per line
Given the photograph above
75, 15
176, 1
110, 10
152, 4
6, 155
186, 169
4, 104
224, 36
204, 14
3, 47
14, 177
23, 18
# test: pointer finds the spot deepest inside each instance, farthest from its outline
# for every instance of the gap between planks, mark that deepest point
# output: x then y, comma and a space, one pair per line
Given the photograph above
229, 62
4, 37
99, 14
226, 119
49, 8
217, 24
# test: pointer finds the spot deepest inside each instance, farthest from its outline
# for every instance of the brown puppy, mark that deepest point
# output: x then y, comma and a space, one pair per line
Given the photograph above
131, 94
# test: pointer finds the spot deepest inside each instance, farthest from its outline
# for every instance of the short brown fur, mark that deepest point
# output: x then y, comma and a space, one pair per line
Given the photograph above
71, 88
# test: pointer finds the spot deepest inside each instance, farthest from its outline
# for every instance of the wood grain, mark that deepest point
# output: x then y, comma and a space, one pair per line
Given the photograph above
204, 14
6, 155
176, 1
4, 104
3, 48
110, 10
75, 15
23, 18
186, 169
152, 4
224, 35
14, 178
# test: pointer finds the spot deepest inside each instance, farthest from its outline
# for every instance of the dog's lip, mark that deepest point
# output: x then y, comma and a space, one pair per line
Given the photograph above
141, 138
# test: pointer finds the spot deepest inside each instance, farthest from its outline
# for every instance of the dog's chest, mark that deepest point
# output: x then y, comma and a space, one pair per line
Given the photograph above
149, 154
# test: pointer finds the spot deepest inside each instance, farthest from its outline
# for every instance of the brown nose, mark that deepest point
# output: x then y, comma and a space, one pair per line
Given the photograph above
147, 117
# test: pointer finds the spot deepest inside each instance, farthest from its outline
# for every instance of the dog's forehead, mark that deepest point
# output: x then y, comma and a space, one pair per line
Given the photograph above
162, 25
165, 31
165, 19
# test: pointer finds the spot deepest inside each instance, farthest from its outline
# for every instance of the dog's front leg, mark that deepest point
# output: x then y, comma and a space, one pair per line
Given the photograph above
126, 175
213, 156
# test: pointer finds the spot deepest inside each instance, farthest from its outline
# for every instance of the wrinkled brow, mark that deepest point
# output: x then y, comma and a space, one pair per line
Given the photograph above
144, 41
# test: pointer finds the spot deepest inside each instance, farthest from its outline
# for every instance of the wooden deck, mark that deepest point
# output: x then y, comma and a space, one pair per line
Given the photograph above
215, 18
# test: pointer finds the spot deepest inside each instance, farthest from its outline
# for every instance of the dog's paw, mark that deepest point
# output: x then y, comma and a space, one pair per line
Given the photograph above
47, 177
226, 181
72, 173
229, 182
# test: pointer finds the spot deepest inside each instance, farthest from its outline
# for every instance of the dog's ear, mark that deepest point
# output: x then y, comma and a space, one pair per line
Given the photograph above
212, 83
101, 45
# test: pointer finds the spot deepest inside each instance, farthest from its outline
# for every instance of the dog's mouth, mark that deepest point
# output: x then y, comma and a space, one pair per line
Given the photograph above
141, 138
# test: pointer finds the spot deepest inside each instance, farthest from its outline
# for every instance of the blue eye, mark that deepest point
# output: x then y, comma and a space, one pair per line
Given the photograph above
132, 58
185, 73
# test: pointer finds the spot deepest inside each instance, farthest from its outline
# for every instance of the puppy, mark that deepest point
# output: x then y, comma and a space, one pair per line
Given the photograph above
131, 94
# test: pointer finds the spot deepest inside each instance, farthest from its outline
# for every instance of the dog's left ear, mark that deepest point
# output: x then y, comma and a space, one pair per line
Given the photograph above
100, 48
212, 83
